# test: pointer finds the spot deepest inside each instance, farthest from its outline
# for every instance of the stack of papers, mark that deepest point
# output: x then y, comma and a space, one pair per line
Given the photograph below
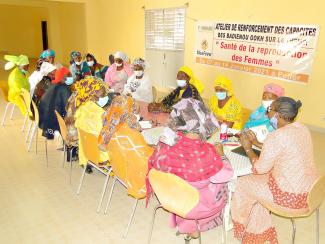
145, 124
151, 136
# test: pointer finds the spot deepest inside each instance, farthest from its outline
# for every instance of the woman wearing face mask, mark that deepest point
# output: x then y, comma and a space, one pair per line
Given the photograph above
78, 68
282, 174
139, 84
118, 73
55, 98
96, 68
185, 89
49, 56
88, 117
225, 105
259, 116
17, 79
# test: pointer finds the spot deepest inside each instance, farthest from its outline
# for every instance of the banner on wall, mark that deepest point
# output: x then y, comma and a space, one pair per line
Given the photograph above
277, 51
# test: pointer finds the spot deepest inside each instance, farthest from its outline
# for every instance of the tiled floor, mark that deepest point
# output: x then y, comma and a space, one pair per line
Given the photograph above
38, 205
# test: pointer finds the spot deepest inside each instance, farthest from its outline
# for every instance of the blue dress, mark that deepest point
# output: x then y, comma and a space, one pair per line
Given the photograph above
259, 117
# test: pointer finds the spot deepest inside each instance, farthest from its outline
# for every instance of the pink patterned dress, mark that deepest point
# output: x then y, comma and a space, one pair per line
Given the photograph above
282, 177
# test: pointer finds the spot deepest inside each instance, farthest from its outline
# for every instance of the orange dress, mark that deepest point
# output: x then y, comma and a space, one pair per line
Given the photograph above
282, 176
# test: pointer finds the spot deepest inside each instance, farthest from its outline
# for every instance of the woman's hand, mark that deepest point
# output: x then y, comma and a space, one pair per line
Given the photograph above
245, 141
219, 149
252, 137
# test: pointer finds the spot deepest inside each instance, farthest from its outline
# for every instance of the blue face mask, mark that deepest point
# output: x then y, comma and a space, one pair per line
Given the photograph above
102, 101
221, 95
69, 81
274, 122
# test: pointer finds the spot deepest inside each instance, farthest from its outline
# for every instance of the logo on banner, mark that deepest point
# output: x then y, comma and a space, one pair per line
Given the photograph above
204, 45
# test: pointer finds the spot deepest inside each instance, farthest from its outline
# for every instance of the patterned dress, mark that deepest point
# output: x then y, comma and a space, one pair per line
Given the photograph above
282, 177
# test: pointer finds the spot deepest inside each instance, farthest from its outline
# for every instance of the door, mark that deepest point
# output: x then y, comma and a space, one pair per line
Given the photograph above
164, 34
44, 35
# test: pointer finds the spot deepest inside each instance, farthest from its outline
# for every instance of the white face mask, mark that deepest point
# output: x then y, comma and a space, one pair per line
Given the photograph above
221, 95
77, 62
138, 73
91, 63
266, 103
118, 64
69, 81
181, 83
102, 101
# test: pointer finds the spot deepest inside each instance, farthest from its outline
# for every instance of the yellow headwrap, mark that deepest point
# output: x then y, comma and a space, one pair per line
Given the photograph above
224, 83
20, 60
87, 88
195, 82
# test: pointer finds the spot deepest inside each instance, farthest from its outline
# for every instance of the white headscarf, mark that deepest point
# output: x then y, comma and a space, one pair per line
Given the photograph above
37, 76
121, 55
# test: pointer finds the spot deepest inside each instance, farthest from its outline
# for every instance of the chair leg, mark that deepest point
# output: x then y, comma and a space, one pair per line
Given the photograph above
12, 112
82, 178
32, 136
5, 114
29, 129
24, 125
104, 190
70, 164
293, 231
47, 158
36, 141
153, 222
64, 154
131, 217
317, 225
110, 195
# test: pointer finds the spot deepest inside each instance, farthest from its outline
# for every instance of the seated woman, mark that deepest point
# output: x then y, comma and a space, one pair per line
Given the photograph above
225, 105
139, 84
200, 163
88, 117
118, 73
187, 87
43, 72
259, 116
79, 69
96, 68
84, 90
48, 55
17, 79
122, 110
55, 98
282, 174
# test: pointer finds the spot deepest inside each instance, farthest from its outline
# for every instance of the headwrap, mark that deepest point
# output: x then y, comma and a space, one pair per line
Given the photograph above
47, 53
59, 74
20, 60
140, 62
192, 116
224, 83
122, 110
274, 89
74, 55
195, 82
87, 88
121, 55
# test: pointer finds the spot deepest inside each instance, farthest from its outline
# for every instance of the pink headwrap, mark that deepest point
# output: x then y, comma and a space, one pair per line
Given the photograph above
274, 89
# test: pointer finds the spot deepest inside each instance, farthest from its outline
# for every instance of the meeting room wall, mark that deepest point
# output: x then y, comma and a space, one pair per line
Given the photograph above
122, 23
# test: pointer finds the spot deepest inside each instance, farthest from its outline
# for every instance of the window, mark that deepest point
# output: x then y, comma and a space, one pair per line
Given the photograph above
165, 29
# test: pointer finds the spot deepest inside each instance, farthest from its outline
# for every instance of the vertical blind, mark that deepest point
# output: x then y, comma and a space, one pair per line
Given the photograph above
165, 29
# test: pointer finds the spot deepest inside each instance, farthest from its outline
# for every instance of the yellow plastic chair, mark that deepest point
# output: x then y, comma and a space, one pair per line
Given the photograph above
88, 143
129, 155
64, 133
174, 195
4, 90
154, 93
314, 200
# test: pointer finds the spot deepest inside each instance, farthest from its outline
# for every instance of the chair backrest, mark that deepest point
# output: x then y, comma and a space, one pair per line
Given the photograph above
316, 194
26, 98
88, 143
36, 113
154, 93
4, 89
63, 127
174, 193
129, 153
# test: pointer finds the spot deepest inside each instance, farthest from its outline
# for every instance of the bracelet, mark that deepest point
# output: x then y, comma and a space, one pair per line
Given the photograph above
247, 150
